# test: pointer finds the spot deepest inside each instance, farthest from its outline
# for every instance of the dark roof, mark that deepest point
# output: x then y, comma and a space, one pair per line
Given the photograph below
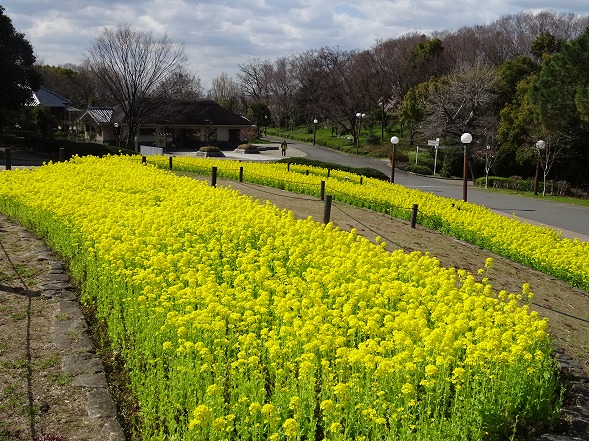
204, 112
47, 98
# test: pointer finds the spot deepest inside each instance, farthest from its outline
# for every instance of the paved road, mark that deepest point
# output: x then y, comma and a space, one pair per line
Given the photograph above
572, 220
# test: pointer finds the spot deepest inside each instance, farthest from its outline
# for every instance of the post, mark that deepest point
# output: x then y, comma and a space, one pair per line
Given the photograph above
322, 194
8, 158
328, 172
413, 215
171, 163
214, 177
536, 177
361, 177
393, 161
241, 174
394, 142
61, 154
464, 176
307, 173
288, 166
327, 209
465, 139
144, 160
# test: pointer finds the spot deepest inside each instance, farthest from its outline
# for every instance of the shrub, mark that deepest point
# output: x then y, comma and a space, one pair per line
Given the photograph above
247, 147
209, 149
363, 171
420, 169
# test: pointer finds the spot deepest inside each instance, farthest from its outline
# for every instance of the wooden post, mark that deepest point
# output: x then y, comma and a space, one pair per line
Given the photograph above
361, 177
214, 177
307, 173
171, 162
327, 209
241, 174
288, 166
328, 172
322, 190
413, 215
8, 158
61, 154
144, 160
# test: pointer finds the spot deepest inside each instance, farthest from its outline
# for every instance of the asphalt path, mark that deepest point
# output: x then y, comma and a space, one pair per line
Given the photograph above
571, 220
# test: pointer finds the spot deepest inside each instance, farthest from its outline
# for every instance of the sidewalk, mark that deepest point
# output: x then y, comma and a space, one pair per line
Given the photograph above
266, 152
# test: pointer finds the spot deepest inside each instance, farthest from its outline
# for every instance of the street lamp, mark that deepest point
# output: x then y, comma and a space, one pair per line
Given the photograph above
118, 133
315, 130
540, 145
466, 139
394, 142
359, 117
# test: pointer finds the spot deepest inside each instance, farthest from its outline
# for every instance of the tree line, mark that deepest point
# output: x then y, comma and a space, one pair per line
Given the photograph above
510, 83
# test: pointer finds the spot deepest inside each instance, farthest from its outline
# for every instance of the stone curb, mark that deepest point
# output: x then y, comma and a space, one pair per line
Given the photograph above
574, 417
78, 353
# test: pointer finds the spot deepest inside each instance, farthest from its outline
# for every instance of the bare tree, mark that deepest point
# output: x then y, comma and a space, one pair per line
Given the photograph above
181, 85
463, 101
134, 69
225, 91
254, 77
548, 151
283, 86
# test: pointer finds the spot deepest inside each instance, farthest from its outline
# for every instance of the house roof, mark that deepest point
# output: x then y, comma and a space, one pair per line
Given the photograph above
204, 112
101, 115
46, 98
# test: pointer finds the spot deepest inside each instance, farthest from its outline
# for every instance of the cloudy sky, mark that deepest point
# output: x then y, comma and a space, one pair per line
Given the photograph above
218, 35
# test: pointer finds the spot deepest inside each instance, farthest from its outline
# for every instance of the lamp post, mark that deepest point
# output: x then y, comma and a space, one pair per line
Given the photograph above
118, 133
540, 145
315, 130
359, 117
394, 142
466, 139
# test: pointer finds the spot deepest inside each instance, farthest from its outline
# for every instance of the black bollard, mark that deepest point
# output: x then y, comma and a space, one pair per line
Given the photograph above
413, 215
214, 177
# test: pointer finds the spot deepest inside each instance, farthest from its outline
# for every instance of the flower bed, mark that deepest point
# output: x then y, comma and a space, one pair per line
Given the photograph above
235, 320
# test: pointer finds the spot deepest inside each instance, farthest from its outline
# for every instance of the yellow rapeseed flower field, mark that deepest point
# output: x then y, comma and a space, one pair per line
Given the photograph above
538, 247
237, 321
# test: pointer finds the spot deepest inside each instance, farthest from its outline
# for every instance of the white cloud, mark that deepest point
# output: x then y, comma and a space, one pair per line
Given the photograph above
221, 34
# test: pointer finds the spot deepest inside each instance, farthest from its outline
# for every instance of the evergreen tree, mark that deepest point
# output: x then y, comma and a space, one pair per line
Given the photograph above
18, 78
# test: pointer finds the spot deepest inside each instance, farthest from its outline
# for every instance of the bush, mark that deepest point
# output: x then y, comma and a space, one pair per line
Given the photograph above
247, 147
363, 171
420, 169
512, 183
209, 149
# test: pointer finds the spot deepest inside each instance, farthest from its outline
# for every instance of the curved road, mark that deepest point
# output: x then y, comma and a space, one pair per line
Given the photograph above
572, 220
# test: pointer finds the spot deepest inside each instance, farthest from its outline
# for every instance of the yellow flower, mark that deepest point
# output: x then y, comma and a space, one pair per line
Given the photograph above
291, 428
408, 389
